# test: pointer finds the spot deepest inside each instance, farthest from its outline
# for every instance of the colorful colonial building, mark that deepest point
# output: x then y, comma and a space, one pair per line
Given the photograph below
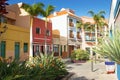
14, 33
39, 33
70, 38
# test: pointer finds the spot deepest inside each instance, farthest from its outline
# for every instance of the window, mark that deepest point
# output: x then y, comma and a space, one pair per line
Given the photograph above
71, 35
71, 23
37, 30
48, 48
56, 48
37, 48
48, 32
25, 47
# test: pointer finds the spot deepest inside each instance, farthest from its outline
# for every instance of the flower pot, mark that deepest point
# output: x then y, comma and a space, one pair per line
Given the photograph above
118, 71
110, 67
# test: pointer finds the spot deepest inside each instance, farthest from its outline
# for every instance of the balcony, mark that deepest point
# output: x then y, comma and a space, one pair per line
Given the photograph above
71, 35
71, 23
78, 35
89, 38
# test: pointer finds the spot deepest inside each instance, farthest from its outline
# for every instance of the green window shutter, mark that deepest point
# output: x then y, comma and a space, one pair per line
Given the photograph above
25, 47
17, 50
3, 49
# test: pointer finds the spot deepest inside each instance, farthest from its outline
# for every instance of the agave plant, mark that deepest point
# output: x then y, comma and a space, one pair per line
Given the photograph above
110, 47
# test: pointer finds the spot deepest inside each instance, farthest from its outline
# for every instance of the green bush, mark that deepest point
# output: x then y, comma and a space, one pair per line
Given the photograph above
79, 55
12, 70
50, 67
43, 67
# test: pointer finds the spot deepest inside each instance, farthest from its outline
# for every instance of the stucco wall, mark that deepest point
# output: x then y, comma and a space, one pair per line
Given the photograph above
21, 17
15, 34
60, 23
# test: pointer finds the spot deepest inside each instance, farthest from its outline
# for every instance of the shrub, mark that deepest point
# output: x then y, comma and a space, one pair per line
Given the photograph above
50, 67
12, 70
43, 67
79, 55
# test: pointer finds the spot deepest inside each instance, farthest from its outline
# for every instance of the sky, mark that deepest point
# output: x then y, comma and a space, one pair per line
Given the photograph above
81, 7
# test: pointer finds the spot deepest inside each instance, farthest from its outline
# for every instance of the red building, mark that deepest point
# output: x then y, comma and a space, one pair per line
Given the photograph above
39, 33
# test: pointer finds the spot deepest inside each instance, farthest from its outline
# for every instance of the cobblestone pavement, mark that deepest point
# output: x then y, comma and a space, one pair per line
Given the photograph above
83, 71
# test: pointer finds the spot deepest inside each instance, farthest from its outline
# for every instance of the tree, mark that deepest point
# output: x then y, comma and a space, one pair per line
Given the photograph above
99, 20
33, 10
45, 13
83, 27
3, 4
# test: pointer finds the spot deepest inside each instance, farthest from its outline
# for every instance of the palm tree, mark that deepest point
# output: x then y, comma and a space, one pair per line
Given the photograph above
45, 13
83, 27
32, 10
99, 20
89, 27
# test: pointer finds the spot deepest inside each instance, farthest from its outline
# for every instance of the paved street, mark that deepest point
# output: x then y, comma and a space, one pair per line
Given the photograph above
83, 71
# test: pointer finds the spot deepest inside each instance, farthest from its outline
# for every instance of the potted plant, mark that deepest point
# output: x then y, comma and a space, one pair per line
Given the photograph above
79, 55
110, 48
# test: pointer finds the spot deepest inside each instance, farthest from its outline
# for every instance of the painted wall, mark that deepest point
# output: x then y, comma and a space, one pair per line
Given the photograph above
21, 17
40, 38
60, 23
15, 34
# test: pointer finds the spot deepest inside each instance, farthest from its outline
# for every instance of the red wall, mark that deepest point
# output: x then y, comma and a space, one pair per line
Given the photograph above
40, 38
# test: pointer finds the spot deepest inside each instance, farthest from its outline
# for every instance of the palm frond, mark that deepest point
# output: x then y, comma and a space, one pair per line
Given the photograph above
102, 12
79, 24
110, 47
33, 10
49, 10
46, 12
91, 13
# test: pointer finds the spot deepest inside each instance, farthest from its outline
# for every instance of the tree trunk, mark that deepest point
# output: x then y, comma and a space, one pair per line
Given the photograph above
45, 36
83, 38
31, 39
96, 40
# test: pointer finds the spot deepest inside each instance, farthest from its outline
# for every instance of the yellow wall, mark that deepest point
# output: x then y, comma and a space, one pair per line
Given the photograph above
15, 34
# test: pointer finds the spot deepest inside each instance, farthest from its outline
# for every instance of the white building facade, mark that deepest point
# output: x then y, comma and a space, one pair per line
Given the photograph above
70, 36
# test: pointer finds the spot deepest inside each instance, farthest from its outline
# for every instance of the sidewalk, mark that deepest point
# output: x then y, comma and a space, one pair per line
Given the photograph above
83, 71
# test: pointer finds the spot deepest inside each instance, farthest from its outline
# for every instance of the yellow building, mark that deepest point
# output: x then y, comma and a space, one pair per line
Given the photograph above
14, 41
14, 33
